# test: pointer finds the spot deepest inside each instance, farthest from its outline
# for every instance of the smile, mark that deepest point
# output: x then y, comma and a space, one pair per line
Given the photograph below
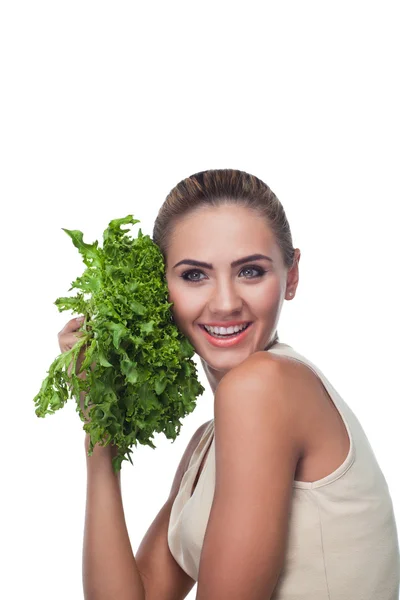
225, 341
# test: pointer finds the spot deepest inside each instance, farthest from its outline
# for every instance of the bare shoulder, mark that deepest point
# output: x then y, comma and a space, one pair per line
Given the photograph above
304, 382
268, 367
280, 381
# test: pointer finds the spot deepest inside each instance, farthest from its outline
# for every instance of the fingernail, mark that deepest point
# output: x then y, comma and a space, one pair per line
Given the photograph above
80, 319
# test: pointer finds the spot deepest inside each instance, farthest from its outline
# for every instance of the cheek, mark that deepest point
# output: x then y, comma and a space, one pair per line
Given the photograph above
263, 300
172, 290
186, 300
265, 292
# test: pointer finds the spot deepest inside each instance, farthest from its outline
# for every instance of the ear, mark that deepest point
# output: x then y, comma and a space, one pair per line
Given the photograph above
293, 276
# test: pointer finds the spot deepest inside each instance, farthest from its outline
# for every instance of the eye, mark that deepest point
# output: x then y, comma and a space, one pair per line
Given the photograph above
259, 270
186, 276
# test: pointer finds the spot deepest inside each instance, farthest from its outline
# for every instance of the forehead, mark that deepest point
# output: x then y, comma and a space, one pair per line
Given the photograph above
221, 233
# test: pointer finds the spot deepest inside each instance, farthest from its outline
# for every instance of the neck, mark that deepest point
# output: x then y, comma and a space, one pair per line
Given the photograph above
274, 341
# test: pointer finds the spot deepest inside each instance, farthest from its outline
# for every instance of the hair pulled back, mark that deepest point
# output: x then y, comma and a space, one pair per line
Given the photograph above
217, 187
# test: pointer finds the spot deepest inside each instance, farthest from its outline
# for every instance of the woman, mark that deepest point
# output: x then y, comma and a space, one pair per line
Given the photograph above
280, 495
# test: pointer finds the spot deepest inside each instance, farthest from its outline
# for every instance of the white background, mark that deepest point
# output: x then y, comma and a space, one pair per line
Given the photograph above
105, 107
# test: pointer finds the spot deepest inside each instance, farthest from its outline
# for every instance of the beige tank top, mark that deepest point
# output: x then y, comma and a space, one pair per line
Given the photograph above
342, 539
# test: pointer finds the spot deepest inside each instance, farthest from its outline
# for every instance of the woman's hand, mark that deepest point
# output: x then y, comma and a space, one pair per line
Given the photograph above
67, 338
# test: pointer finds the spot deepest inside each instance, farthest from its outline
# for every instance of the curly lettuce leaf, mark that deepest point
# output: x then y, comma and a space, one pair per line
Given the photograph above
142, 378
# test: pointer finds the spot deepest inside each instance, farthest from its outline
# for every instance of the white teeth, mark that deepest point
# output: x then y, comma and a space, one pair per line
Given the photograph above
225, 330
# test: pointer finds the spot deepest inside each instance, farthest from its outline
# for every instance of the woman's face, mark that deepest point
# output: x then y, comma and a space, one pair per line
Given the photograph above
222, 294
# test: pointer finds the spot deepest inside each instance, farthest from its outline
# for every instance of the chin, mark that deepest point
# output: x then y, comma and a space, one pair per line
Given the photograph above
224, 363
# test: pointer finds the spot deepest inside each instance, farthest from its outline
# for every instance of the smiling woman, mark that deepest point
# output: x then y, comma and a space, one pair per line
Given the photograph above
283, 497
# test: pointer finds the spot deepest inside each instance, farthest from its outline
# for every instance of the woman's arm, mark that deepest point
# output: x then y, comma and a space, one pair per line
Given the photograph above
109, 567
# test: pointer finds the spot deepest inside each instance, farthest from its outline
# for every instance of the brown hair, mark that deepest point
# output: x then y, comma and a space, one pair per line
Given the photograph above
217, 187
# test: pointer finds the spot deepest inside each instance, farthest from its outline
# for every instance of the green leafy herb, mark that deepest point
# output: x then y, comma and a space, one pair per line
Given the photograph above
140, 378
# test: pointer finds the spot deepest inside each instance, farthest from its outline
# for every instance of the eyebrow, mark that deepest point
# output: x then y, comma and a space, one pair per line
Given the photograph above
235, 263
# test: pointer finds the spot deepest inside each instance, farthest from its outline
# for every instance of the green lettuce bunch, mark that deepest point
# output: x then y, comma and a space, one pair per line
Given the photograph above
140, 376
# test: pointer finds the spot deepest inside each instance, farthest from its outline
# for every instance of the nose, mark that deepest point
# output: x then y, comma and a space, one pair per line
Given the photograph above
225, 300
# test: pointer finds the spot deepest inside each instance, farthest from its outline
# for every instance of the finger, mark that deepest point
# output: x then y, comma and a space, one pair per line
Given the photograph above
68, 340
72, 325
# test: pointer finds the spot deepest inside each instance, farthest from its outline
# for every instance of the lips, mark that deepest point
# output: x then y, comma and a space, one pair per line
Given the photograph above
229, 340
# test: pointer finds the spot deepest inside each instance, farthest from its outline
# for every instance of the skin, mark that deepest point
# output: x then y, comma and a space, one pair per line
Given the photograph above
219, 236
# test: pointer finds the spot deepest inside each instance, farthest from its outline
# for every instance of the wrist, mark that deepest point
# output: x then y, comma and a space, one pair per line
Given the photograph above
109, 451
99, 465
